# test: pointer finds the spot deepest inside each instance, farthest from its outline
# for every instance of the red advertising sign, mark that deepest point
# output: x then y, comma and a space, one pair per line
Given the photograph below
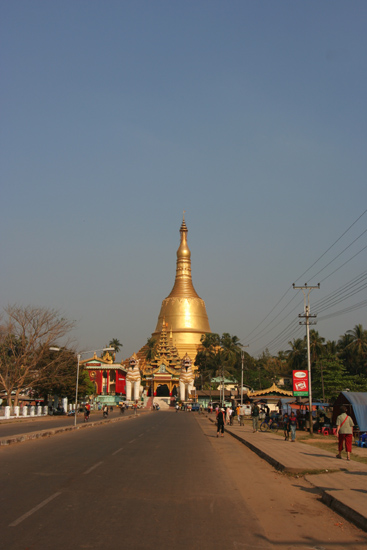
300, 382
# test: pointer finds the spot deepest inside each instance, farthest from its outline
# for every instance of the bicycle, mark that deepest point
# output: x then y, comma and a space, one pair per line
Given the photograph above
269, 425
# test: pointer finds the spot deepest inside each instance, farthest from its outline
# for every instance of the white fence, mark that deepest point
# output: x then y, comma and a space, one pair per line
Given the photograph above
25, 411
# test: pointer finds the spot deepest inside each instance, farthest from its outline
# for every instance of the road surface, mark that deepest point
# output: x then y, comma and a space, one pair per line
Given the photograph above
160, 480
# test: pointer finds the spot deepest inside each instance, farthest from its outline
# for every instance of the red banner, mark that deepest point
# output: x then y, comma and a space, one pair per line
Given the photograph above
300, 382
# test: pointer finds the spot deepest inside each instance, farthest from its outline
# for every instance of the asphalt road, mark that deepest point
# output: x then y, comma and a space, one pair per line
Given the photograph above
23, 426
161, 480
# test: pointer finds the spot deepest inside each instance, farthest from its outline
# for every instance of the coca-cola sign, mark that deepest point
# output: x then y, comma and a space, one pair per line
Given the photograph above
300, 382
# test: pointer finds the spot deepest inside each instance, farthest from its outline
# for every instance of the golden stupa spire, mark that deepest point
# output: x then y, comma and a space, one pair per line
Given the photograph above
183, 287
183, 311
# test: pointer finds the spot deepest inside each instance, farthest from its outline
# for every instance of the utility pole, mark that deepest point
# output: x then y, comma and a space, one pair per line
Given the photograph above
306, 296
242, 361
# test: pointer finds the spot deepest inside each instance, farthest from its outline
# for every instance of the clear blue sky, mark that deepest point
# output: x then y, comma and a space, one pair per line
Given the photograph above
118, 115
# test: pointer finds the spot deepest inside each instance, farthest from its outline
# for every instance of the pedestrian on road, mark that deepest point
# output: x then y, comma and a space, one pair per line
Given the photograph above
220, 422
293, 426
242, 415
228, 415
344, 432
255, 418
232, 413
286, 427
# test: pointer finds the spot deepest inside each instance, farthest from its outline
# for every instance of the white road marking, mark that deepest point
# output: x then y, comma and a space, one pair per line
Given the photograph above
132, 441
93, 468
141, 435
25, 516
118, 450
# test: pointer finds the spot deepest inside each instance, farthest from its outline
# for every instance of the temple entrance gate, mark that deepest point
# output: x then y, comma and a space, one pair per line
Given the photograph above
162, 390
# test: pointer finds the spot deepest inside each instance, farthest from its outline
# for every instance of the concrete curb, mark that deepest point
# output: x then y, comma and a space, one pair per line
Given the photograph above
20, 438
341, 508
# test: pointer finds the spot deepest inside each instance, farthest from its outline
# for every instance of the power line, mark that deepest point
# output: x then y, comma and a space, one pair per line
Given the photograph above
342, 252
360, 305
258, 335
330, 247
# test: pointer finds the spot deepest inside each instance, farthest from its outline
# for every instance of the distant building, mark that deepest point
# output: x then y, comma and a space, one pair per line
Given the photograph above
108, 378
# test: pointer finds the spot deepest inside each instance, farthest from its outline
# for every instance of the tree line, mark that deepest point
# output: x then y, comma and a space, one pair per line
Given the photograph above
335, 365
29, 366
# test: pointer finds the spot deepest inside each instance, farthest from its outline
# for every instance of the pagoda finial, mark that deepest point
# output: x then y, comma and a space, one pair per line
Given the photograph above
183, 287
183, 225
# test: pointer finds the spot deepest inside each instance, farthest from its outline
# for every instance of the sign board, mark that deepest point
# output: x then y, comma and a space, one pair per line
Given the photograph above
300, 382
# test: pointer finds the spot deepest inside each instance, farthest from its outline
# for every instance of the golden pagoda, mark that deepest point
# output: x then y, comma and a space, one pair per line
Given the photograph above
183, 311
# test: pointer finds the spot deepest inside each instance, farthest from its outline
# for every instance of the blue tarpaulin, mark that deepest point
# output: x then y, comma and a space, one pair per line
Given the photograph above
358, 400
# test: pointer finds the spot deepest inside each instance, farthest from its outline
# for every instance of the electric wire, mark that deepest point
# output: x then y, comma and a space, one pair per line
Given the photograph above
337, 292
260, 335
340, 253
355, 307
330, 247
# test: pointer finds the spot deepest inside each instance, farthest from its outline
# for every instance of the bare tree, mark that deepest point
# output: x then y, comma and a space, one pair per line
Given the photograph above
26, 335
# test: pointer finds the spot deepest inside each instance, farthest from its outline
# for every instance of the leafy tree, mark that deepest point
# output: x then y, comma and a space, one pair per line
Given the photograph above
330, 372
206, 358
61, 379
26, 336
218, 356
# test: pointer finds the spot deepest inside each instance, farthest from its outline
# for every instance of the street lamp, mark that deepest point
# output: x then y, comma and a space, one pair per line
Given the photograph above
79, 355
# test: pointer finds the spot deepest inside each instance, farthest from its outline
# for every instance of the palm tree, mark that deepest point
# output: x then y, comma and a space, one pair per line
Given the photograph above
297, 356
316, 346
115, 343
331, 347
231, 348
150, 352
358, 346
345, 352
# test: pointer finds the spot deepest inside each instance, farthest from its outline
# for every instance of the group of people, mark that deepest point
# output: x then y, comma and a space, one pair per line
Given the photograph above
227, 416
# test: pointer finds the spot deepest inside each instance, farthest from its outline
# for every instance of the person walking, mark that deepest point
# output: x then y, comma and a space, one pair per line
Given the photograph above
344, 432
232, 413
286, 427
242, 415
255, 418
293, 426
238, 409
221, 420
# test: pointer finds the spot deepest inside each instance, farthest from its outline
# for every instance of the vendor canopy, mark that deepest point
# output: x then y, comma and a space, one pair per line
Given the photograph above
358, 400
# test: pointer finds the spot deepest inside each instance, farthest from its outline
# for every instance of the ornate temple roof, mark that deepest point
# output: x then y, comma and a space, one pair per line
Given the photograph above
166, 354
274, 390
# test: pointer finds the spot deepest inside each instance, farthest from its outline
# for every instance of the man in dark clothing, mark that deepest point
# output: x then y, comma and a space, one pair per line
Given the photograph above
220, 422
255, 418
